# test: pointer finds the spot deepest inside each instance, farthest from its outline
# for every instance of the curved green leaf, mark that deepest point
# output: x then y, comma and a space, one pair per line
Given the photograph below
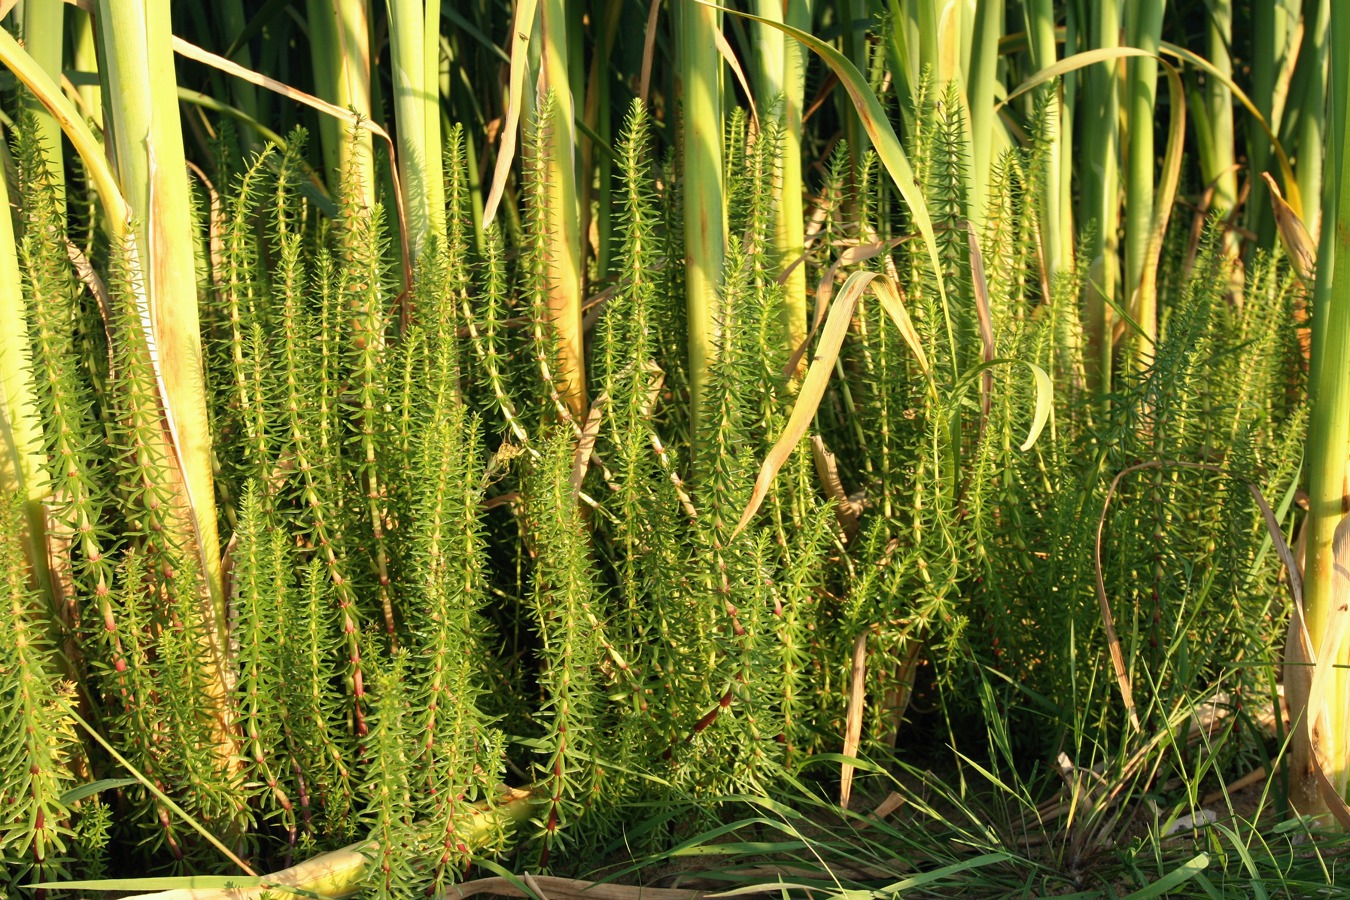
873, 117
1045, 393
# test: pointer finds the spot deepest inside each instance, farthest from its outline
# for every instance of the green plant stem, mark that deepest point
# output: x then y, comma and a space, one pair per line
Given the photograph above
44, 34
340, 49
1055, 225
598, 122
1312, 120
1271, 24
1145, 32
566, 264
414, 30
1329, 429
86, 60
781, 74
980, 84
233, 20
151, 169
1101, 191
705, 217
1218, 167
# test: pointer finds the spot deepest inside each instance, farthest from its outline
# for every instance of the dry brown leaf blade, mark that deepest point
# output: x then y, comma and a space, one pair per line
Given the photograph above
586, 443
982, 311
729, 55
853, 722
1297, 242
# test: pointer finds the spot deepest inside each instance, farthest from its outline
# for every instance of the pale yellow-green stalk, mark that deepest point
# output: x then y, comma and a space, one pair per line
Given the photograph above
1144, 28
549, 74
339, 35
699, 92
1323, 732
782, 74
414, 31
152, 174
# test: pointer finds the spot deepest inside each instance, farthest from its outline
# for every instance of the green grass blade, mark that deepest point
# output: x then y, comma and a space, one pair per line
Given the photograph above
1174, 879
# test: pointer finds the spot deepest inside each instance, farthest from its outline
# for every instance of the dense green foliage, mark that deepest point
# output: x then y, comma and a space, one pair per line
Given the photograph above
442, 580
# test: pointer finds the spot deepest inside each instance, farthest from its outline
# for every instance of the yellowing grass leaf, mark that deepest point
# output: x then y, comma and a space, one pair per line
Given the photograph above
41, 86
520, 44
825, 291
822, 365
729, 55
1045, 393
812, 390
888, 293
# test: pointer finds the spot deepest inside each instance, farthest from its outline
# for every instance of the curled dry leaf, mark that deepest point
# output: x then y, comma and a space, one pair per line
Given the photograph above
846, 508
1297, 242
586, 443
853, 721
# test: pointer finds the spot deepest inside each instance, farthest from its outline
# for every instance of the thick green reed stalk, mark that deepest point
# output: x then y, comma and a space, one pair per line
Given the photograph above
1218, 166
781, 73
231, 19
339, 37
414, 38
148, 142
705, 216
549, 71
1101, 190
1328, 443
85, 59
1056, 209
1311, 122
981, 79
1273, 25
43, 36
1144, 29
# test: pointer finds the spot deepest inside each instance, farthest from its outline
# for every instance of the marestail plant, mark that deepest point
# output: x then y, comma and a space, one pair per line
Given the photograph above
488, 589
